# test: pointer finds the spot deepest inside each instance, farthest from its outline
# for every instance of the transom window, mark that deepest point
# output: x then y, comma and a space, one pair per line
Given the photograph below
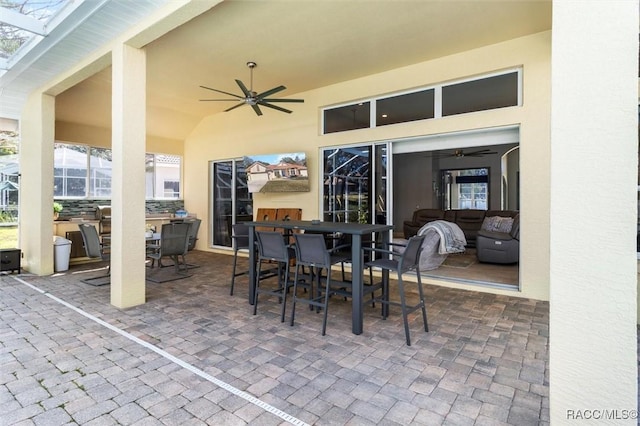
494, 91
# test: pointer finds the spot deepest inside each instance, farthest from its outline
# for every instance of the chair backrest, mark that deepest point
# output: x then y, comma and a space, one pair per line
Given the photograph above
174, 239
91, 240
411, 257
241, 236
193, 232
311, 249
288, 214
265, 214
271, 246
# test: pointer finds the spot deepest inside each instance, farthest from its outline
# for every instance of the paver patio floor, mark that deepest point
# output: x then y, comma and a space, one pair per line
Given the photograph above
193, 354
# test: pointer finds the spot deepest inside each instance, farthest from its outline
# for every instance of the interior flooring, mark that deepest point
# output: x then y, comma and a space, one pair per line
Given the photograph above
464, 267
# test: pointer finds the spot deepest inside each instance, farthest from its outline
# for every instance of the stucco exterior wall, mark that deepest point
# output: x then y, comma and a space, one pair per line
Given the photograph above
593, 343
241, 132
101, 137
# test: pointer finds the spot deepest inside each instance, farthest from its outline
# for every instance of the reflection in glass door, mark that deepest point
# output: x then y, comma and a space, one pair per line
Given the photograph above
355, 184
231, 200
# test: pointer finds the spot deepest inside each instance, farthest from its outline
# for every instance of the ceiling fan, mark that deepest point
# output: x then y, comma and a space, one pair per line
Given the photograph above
250, 97
460, 153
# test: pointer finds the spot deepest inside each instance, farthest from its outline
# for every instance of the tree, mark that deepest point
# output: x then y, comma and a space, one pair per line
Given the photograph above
11, 38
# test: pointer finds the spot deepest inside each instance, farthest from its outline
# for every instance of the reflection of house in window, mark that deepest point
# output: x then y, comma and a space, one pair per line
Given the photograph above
260, 171
284, 176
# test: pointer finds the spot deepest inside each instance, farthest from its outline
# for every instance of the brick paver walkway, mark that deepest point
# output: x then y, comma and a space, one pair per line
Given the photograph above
195, 355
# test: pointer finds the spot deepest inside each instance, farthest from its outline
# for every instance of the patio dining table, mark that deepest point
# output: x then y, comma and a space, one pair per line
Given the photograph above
356, 230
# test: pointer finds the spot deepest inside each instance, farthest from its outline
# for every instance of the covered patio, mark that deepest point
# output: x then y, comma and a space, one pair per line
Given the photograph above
194, 354
135, 88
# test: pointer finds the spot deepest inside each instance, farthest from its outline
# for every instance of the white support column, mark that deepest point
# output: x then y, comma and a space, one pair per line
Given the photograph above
37, 132
594, 154
128, 180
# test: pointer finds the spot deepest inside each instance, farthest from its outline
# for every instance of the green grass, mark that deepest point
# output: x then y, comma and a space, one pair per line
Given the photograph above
8, 237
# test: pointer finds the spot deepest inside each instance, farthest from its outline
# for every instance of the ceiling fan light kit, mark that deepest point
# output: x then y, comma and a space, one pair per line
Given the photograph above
253, 98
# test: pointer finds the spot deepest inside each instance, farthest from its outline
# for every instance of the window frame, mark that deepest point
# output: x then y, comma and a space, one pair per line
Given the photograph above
90, 178
437, 99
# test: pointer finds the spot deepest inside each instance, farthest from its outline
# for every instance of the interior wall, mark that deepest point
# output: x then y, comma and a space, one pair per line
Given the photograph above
493, 162
512, 201
416, 173
412, 187
240, 132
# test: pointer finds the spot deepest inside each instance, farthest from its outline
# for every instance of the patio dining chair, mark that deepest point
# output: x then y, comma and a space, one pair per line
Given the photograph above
272, 248
312, 252
193, 232
174, 243
192, 235
408, 261
95, 249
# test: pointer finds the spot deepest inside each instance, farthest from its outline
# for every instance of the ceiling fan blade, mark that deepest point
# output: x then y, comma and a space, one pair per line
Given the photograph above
480, 153
274, 107
436, 154
256, 109
234, 107
244, 89
477, 152
220, 91
270, 92
218, 100
282, 100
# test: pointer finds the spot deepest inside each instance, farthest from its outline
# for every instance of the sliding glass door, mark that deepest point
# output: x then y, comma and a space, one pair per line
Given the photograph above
355, 184
231, 201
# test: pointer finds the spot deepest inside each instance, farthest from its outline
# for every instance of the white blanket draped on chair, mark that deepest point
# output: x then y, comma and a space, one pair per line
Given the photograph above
440, 239
452, 238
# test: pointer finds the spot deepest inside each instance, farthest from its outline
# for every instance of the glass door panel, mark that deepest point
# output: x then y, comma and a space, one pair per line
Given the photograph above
381, 181
232, 201
243, 200
346, 184
355, 185
222, 202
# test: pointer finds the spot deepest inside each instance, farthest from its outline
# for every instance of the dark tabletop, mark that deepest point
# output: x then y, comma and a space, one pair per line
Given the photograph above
345, 228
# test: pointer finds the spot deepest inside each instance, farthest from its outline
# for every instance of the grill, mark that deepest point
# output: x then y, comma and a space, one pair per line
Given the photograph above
103, 214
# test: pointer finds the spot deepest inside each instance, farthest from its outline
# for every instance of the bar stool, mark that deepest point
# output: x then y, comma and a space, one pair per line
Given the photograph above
408, 261
271, 248
240, 239
311, 251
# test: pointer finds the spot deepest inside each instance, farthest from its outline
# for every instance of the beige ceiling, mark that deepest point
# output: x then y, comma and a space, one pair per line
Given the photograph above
302, 45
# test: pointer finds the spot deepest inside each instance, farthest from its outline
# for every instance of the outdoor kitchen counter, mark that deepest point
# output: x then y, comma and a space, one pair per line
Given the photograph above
61, 227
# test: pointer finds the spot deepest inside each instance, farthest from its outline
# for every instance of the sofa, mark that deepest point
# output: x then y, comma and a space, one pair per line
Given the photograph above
470, 221
498, 245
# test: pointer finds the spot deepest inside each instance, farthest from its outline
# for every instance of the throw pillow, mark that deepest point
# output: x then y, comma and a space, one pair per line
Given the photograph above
497, 224
489, 223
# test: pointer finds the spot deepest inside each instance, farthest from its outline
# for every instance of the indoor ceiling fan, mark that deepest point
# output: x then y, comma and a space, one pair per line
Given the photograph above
250, 97
460, 153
